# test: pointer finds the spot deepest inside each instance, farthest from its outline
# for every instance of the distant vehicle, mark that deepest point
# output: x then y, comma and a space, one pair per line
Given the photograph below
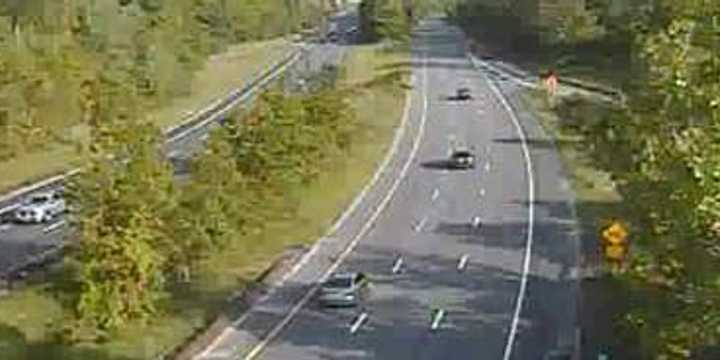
352, 31
462, 159
333, 27
564, 354
463, 94
41, 207
343, 289
333, 37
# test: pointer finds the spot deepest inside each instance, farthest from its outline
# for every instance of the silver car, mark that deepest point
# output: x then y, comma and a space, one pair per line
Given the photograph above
41, 207
343, 289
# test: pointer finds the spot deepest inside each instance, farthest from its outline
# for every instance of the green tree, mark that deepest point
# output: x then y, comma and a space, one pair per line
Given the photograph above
214, 210
121, 206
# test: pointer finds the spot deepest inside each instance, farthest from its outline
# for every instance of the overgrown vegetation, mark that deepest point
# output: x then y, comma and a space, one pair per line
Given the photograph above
592, 42
392, 19
159, 258
66, 66
669, 290
136, 229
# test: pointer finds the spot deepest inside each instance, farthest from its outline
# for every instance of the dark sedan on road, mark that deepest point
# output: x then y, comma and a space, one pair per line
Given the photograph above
343, 289
462, 159
463, 94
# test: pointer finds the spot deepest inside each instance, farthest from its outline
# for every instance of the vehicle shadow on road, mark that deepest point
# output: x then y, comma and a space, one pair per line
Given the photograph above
437, 164
16, 345
479, 302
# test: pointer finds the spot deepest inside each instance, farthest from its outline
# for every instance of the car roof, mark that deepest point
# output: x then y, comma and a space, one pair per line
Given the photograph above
343, 275
462, 150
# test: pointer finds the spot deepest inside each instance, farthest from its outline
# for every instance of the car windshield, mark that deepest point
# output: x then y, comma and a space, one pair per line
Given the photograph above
338, 282
40, 199
462, 154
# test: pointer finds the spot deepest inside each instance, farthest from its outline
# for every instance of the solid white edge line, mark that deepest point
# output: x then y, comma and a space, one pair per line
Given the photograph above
416, 145
399, 133
531, 215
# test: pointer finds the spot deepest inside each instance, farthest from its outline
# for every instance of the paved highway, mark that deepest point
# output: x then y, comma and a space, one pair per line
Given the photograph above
19, 242
493, 247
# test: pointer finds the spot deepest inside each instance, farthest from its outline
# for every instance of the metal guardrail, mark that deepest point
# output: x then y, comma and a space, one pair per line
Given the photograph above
529, 80
198, 120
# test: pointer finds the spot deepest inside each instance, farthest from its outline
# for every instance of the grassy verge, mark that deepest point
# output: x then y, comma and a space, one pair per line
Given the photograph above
599, 197
232, 68
27, 315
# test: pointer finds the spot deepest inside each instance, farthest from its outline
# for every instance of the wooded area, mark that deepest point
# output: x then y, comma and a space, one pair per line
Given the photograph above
669, 176
74, 63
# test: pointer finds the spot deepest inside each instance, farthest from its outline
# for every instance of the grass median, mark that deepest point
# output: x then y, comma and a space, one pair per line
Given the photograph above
27, 316
233, 68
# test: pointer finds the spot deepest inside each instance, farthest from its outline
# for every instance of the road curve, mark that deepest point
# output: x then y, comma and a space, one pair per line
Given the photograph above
504, 280
19, 243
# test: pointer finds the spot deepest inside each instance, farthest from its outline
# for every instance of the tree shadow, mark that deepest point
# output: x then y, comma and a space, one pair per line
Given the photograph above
550, 144
479, 304
15, 345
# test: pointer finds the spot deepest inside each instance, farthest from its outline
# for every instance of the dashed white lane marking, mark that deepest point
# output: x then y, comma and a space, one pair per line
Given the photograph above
400, 132
435, 194
54, 226
419, 226
358, 322
397, 265
462, 263
366, 227
482, 192
4, 227
531, 214
437, 318
487, 166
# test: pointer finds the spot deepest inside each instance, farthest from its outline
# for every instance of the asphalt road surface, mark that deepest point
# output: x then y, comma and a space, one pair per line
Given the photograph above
19, 242
511, 219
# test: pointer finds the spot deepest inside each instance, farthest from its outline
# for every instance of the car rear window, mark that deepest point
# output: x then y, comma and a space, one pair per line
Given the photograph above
343, 282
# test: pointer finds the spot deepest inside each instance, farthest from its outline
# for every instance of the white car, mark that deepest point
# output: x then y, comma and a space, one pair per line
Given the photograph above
41, 207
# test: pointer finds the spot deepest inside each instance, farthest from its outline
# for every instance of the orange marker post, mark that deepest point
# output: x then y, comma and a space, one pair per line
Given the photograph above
551, 83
